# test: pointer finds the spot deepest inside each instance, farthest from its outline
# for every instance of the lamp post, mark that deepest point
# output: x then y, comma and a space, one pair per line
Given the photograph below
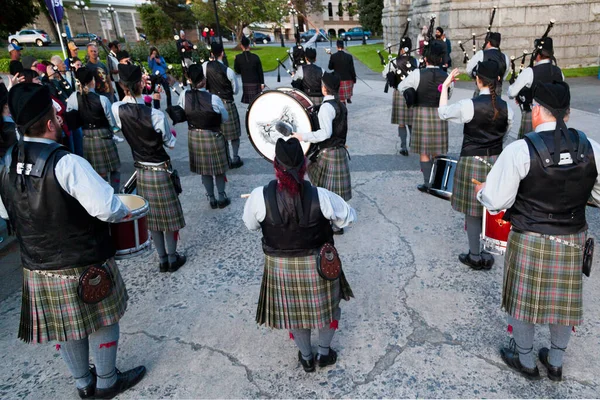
80, 5
293, 12
111, 10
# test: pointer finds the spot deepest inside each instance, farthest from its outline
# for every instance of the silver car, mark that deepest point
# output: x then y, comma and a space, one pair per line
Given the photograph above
39, 37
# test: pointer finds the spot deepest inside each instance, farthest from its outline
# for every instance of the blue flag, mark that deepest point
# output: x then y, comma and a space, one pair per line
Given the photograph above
55, 7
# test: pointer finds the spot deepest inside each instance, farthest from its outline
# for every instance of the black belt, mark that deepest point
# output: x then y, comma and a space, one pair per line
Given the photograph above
517, 230
482, 152
161, 167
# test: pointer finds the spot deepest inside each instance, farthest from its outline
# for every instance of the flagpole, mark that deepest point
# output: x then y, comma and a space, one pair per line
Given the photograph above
62, 45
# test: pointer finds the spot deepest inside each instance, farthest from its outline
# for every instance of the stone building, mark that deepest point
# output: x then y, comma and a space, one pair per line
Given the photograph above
575, 32
335, 17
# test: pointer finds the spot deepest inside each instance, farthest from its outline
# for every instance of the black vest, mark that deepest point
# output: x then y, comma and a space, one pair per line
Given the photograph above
428, 94
339, 126
199, 111
54, 230
145, 142
217, 81
404, 65
286, 231
552, 198
91, 112
311, 81
498, 56
483, 134
542, 73
298, 56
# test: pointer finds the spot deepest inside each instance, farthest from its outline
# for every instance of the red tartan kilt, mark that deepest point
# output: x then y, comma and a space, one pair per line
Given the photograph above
346, 90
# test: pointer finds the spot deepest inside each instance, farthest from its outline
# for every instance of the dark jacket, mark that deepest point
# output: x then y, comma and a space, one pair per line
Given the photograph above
248, 65
342, 64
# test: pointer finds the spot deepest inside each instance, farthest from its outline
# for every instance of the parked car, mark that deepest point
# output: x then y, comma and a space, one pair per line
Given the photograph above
39, 37
82, 39
306, 36
356, 33
261, 38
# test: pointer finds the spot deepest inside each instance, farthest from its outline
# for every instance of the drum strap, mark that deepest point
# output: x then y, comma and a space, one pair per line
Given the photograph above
486, 162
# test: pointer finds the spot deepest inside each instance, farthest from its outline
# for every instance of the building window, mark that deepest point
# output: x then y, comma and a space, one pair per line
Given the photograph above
340, 12
330, 10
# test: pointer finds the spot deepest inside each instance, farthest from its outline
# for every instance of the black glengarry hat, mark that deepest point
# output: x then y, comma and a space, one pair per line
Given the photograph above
28, 103
245, 41
488, 69
544, 46
556, 98
84, 75
216, 49
332, 81
130, 73
196, 73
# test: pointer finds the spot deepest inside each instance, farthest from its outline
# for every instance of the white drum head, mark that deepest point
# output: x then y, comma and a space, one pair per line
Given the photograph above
264, 112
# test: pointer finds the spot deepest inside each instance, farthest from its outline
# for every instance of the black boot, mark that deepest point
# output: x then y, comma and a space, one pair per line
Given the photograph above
477, 265
554, 373
510, 356
178, 263
308, 365
329, 359
125, 380
225, 202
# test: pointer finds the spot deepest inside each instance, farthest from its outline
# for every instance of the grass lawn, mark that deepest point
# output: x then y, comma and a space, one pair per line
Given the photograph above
268, 56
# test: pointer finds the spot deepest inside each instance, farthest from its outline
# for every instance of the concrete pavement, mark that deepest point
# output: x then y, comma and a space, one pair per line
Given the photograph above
421, 325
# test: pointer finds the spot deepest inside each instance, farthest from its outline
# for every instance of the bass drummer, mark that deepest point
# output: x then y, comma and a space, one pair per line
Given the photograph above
329, 167
486, 118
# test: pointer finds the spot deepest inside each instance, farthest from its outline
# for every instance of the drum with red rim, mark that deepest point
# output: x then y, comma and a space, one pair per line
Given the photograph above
494, 233
131, 236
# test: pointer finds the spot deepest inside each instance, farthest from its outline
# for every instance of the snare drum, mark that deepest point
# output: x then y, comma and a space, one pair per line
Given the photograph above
494, 232
131, 237
441, 179
284, 104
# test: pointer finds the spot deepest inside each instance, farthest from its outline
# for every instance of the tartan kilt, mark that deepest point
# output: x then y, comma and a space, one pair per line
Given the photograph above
251, 90
429, 133
208, 152
52, 311
464, 198
543, 281
346, 90
332, 172
401, 115
294, 296
231, 129
101, 150
317, 100
165, 213
526, 125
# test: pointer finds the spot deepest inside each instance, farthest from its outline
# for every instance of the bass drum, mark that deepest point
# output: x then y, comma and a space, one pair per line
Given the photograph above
284, 104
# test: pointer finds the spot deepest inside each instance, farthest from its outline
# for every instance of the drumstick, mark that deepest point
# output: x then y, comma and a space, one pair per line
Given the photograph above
245, 195
475, 181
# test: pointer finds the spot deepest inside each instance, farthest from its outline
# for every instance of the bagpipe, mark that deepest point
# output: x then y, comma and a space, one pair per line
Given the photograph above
399, 72
474, 37
538, 45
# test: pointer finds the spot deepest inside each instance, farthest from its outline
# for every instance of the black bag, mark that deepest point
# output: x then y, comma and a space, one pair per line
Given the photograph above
95, 284
176, 181
588, 257
177, 114
329, 265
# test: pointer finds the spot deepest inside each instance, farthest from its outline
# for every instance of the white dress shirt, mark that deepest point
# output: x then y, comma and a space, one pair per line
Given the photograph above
299, 74
217, 104
230, 75
333, 207
477, 57
326, 117
525, 80
73, 104
512, 166
76, 176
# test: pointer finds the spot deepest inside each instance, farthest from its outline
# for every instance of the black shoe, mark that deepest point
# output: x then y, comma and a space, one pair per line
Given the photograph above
224, 203
337, 231
423, 188
212, 201
510, 356
477, 265
125, 380
329, 359
488, 260
163, 266
236, 163
554, 373
89, 391
348, 101
174, 266
308, 365
404, 152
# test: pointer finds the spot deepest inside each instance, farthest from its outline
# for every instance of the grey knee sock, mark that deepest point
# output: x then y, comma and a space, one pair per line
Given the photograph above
76, 354
115, 180
402, 133
159, 242
171, 241
409, 132
326, 333
104, 343
220, 179
302, 340
209, 186
474, 234
426, 167
559, 337
235, 145
523, 334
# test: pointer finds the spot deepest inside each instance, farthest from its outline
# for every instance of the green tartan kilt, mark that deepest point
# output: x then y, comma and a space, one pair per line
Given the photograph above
526, 125
401, 115
294, 296
52, 311
332, 172
165, 213
208, 152
250, 91
101, 150
317, 100
464, 197
429, 133
231, 129
543, 281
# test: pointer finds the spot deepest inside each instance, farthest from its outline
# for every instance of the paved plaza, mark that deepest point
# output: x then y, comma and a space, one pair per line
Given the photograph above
421, 323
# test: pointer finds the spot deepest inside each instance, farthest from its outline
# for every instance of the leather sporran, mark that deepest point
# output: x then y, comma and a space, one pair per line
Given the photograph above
588, 257
95, 284
329, 265
176, 181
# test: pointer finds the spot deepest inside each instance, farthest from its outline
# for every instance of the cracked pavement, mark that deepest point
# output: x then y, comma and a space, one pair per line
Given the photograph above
421, 324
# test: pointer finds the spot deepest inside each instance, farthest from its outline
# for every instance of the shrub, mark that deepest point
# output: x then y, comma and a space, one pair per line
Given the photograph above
141, 51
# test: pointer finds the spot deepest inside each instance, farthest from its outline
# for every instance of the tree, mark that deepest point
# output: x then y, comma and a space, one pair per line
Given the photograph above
157, 25
370, 15
178, 12
239, 14
15, 14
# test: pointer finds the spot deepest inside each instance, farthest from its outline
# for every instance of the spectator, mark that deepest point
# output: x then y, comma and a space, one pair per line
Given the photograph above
73, 52
422, 38
113, 66
100, 70
440, 35
15, 56
185, 49
158, 67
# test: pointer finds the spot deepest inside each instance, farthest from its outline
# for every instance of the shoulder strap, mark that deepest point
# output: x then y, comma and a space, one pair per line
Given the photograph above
270, 195
538, 144
583, 146
45, 154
